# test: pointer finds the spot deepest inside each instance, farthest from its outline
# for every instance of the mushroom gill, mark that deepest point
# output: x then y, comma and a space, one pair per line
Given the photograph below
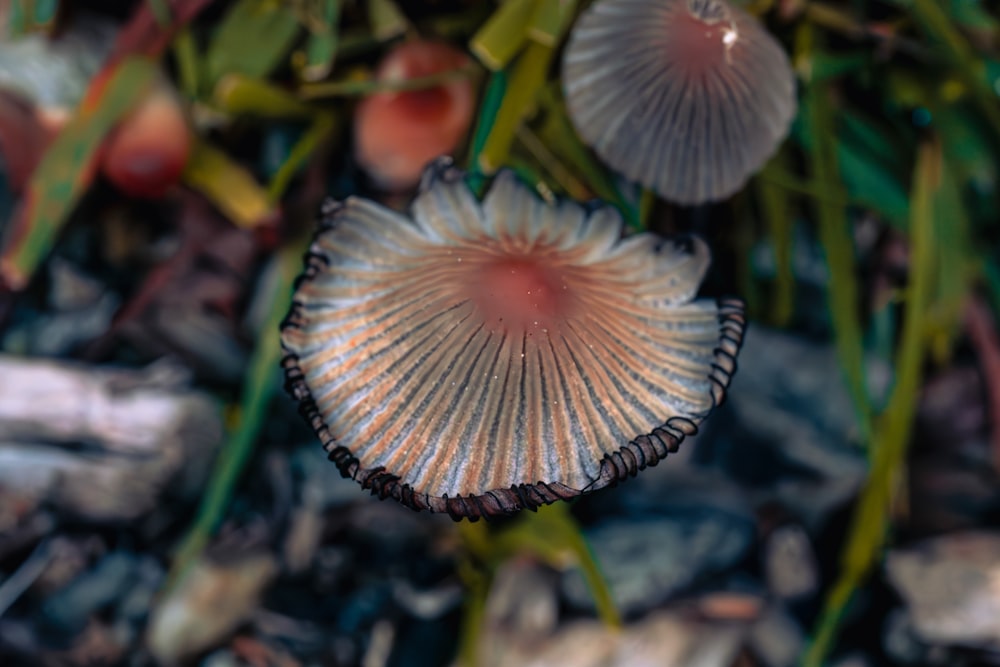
483, 357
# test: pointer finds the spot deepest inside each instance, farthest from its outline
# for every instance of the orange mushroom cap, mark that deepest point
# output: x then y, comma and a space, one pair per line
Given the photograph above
478, 358
396, 134
687, 97
145, 154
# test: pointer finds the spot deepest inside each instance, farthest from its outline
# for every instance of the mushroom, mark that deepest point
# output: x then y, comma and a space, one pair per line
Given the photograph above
145, 154
396, 133
478, 358
687, 97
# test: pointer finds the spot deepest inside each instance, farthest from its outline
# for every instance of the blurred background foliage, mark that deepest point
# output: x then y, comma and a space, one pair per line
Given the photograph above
894, 150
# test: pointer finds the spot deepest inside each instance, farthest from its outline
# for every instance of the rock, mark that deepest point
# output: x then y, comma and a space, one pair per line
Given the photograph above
790, 563
663, 639
950, 587
790, 435
100, 587
776, 639
523, 600
207, 605
660, 546
101, 444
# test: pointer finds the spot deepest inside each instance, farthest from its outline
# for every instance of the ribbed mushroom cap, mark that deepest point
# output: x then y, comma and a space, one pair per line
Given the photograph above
482, 357
687, 97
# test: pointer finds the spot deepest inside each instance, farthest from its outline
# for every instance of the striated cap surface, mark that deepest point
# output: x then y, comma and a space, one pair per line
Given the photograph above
478, 358
687, 97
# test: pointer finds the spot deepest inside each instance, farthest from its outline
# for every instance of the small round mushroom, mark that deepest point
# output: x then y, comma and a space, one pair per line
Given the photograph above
396, 134
687, 97
145, 154
478, 358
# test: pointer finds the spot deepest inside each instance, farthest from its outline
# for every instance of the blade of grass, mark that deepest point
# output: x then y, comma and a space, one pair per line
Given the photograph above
239, 94
188, 63
550, 20
559, 172
230, 187
321, 47
870, 522
253, 38
990, 274
557, 133
526, 79
386, 19
495, 90
32, 16
258, 388
835, 237
161, 12
775, 207
316, 134
67, 168
936, 23
360, 87
504, 34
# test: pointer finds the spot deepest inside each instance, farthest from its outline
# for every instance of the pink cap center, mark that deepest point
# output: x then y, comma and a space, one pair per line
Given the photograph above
698, 46
521, 293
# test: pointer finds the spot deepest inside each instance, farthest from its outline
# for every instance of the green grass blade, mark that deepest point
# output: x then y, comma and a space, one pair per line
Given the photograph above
31, 16
386, 19
253, 39
228, 185
241, 95
869, 525
526, 80
504, 34
835, 237
360, 87
776, 208
258, 388
188, 63
550, 20
321, 46
492, 98
67, 168
935, 22
316, 134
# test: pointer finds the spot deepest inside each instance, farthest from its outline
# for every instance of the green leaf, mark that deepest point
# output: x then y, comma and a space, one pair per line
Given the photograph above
253, 39
258, 387
526, 80
32, 16
867, 162
550, 20
230, 187
321, 46
776, 210
241, 95
825, 65
870, 522
67, 168
386, 19
838, 244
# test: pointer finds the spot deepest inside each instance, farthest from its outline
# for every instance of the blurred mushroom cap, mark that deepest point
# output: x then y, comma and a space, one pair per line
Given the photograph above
396, 134
687, 97
144, 156
478, 358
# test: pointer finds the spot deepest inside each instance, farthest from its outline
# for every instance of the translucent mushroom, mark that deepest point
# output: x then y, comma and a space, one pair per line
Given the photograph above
687, 97
478, 358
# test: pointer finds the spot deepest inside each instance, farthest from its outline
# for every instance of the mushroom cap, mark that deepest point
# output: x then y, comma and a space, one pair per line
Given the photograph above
687, 97
478, 358
397, 133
